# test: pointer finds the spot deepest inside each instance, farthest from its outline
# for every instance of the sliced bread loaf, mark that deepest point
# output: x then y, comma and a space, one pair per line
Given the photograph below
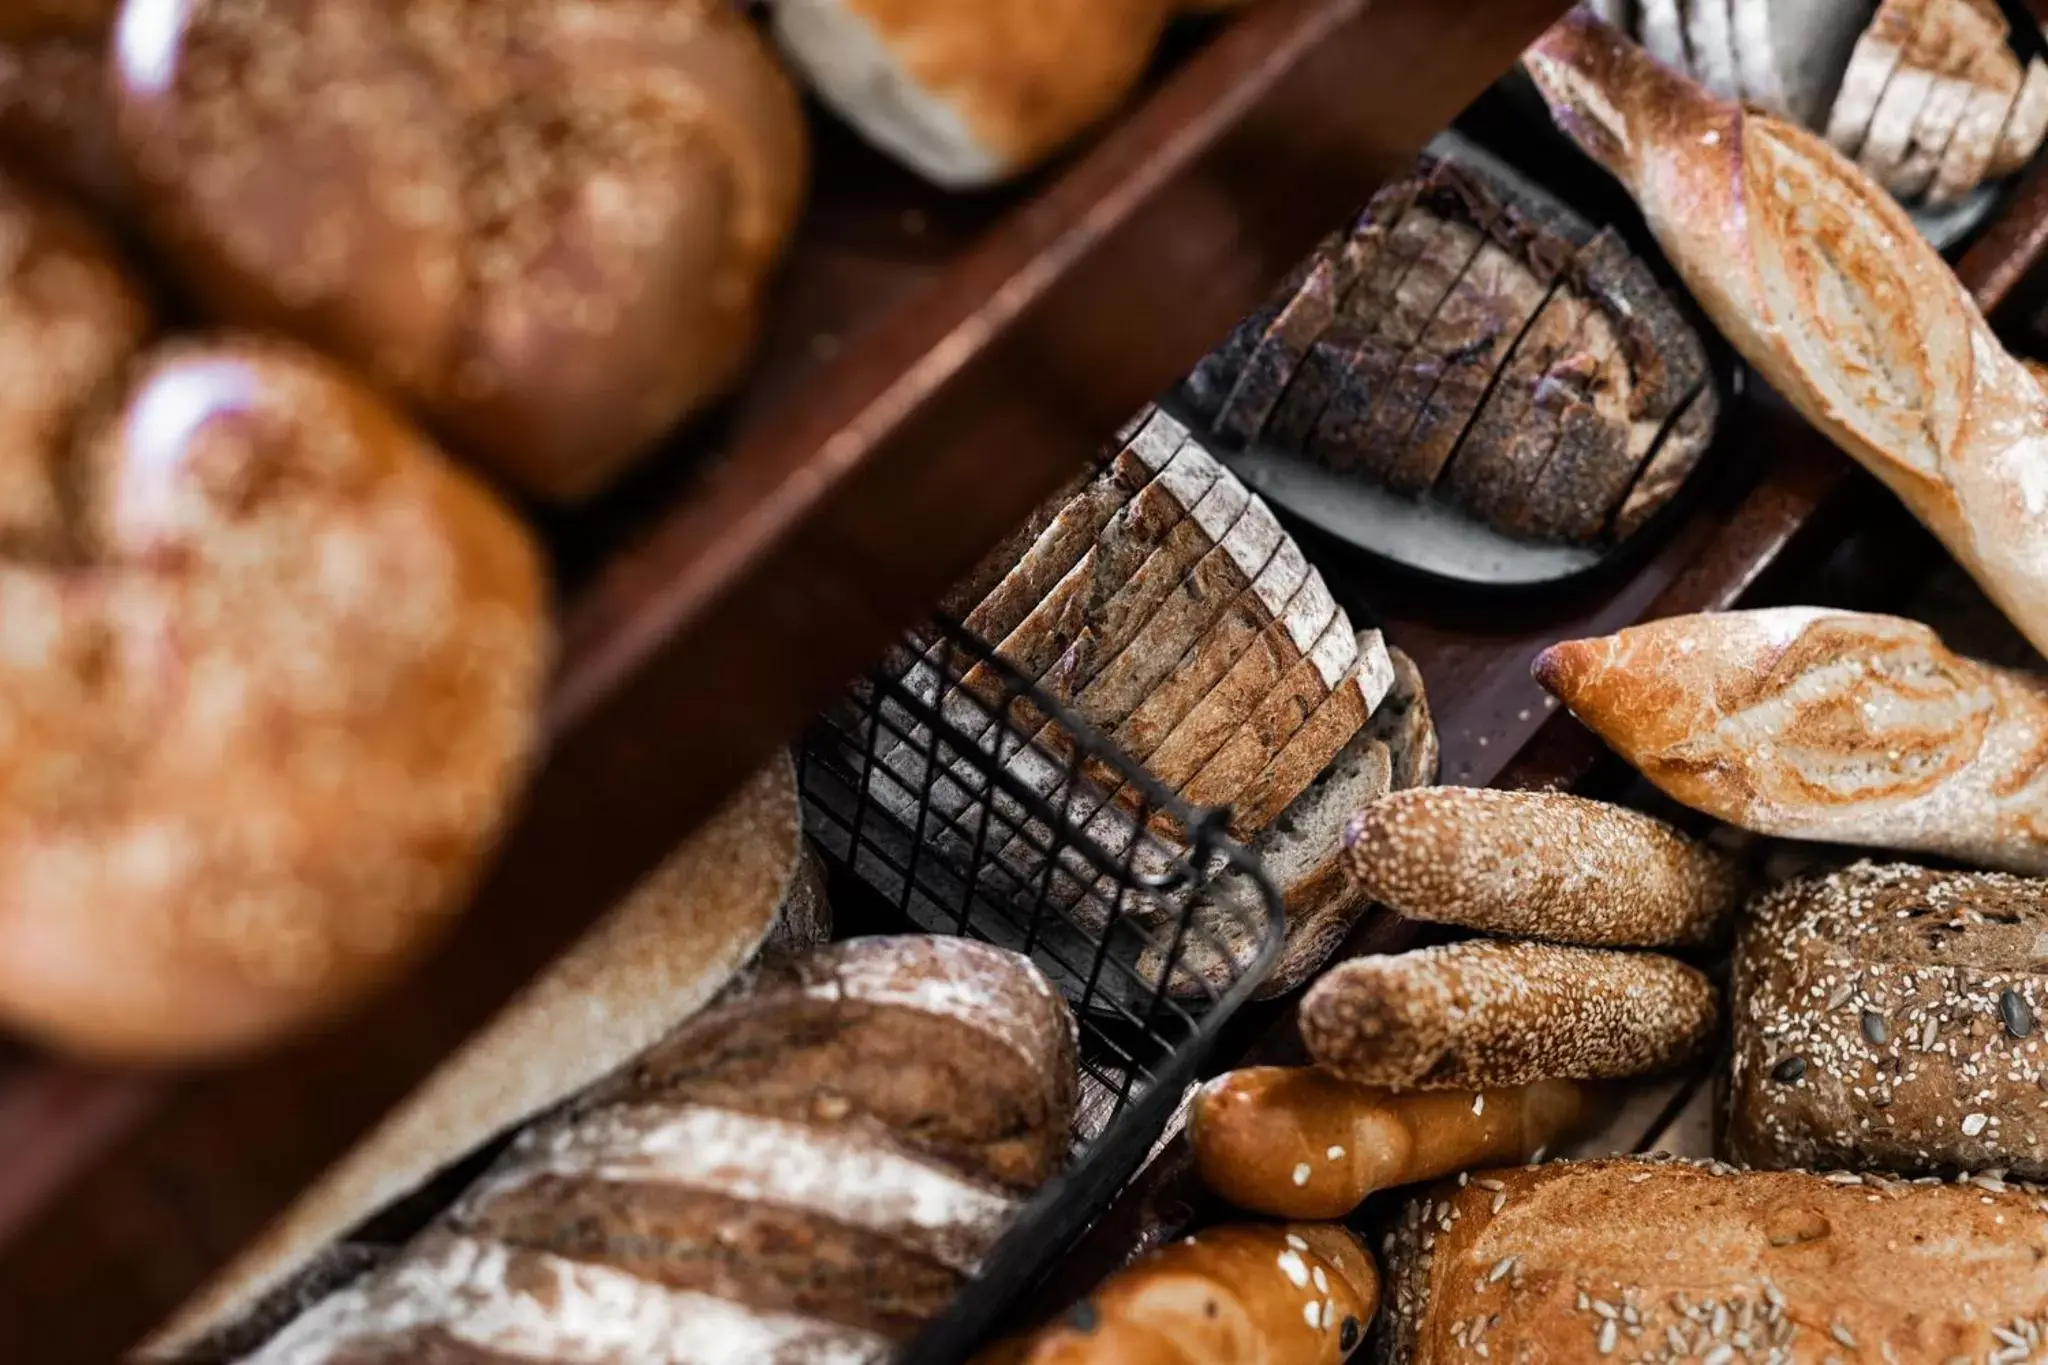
1872, 63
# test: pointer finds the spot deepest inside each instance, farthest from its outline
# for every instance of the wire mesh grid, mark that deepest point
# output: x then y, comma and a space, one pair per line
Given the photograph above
955, 791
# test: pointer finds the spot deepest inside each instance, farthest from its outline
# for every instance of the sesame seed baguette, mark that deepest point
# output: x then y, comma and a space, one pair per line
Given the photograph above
1298, 1142
1544, 865
1806, 723
1822, 282
1470, 1016
1637, 1259
1303, 1294
1888, 1015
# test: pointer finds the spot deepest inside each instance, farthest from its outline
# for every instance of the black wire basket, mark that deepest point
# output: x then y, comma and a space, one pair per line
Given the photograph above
953, 795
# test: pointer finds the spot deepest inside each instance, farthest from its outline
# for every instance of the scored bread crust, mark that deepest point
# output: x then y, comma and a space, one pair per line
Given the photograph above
1821, 281
658, 956
1887, 1015
1814, 724
1629, 1258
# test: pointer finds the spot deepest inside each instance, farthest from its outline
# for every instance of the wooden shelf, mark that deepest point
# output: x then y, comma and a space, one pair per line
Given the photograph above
933, 368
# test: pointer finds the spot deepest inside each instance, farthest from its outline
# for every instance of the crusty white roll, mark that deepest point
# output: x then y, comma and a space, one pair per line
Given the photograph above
1806, 723
269, 671
1822, 282
546, 226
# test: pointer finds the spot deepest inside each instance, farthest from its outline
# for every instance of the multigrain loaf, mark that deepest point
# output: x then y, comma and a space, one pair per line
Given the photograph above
550, 234
1668, 1260
1303, 1293
1822, 282
1807, 723
1544, 865
741, 881
804, 1173
1475, 1015
1888, 1016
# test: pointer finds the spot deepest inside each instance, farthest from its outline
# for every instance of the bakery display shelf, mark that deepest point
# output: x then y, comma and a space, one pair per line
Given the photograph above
932, 367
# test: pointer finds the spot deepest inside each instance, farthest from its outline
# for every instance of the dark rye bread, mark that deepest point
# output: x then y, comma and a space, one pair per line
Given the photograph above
1665, 472
709, 1203
1588, 469
1890, 1016
1515, 431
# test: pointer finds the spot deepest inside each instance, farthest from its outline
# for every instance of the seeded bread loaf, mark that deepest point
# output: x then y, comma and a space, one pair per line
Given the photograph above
1481, 1014
1806, 723
1666, 1260
804, 1173
1544, 865
1887, 1016
549, 236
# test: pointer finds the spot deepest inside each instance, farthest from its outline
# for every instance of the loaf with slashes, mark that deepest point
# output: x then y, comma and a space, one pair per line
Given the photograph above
806, 1173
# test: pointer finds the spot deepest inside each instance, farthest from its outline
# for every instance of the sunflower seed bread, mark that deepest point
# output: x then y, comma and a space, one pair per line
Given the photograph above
1890, 1016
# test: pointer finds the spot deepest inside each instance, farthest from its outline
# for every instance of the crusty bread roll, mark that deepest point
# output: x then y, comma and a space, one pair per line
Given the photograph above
1298, 1142
1807, 723
1889, 1016
546, 226
1545, 865
1822, 282
1472, 1016
255, 756
971, 94
1663, 1260
1301, 1293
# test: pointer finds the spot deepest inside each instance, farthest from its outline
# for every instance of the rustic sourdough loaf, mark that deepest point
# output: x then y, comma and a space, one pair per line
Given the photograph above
1822, 282
804, 1173
1967, 159
659, 956
1666, 1260
1814, 724
1887, 1016
1710, 38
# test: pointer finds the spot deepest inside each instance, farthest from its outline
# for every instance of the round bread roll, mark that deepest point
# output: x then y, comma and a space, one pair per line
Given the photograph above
269, 670
546, 225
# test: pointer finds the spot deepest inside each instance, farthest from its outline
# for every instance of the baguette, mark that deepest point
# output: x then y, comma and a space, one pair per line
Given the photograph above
1822, 282
1297, 1142
1806, 723
1887, 1016
1667, 1260
1543, 865
1474, 1016
1301, 1294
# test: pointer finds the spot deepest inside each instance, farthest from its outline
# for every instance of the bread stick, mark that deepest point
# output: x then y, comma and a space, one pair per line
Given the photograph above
1297, 1142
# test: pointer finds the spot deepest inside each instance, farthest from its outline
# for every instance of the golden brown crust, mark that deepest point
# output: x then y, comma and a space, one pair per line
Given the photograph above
1666, 1260
546, 224
1546, 865
1816, 724
1476, 1015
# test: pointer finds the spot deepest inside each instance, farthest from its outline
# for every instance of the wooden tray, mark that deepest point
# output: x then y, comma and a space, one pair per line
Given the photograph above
934, 367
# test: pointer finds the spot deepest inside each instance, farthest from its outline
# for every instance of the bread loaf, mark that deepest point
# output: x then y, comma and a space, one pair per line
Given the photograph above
1544, 865
1814, 724
240, 794
550, 234
1297, 1142
1472, 1016
804, 1173
1886, 1016
1792, 55
1302, 1293
1665, 1260
1822, 282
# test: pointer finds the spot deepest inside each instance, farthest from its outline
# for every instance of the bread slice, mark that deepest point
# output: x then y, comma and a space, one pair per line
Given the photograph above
1430, 288
1673, 461
1940, 118
1276, 716
1872, 64
1588, 470
1272, 364
1971, 36
2025, 125
1341, 357
1511, 438
1791, 56
1209, 385
1967, 159
1951, 34
1320, 738
1662, 30
1710, 37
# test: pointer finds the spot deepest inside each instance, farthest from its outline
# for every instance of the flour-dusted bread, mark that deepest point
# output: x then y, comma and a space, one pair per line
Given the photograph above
1792, 55
550, 235
742, 880
1872, 63
1889, 1016
1480, 1014
1822, 282
1667, 1260
1544, 865
804, 1173
1807, 723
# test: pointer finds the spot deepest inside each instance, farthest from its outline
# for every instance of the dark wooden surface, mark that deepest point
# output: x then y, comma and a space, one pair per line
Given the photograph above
934, 367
